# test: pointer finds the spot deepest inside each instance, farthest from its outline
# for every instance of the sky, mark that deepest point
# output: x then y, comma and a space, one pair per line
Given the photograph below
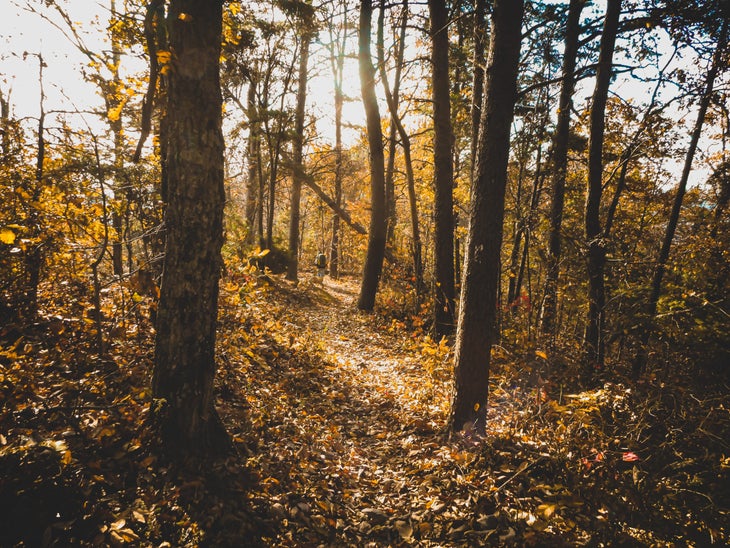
24, 35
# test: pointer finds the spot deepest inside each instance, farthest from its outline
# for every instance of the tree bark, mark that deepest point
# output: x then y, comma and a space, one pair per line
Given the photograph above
337, 60
443, 183
477, 312
378, 221
593, 343
298, 157
390, 200
656, 283
252, 152
35, 257
397, 124
184, 368
560, 166
480, 42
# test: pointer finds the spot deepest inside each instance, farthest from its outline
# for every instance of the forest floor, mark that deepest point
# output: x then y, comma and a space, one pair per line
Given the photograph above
338, 422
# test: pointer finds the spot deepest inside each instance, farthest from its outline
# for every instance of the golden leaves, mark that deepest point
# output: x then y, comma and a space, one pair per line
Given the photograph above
7, 236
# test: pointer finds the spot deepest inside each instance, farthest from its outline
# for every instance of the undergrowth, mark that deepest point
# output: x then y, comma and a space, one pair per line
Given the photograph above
338, 420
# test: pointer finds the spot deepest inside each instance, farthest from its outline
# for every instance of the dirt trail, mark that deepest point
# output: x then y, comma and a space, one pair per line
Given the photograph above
350, 423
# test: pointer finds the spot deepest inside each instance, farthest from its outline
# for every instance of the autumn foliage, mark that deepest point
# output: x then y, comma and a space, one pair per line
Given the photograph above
332, 423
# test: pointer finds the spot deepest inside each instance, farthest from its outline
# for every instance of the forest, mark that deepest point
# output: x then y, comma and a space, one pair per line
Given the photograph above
336, 273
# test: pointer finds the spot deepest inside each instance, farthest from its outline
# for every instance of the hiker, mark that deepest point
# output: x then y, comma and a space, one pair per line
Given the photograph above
321, 263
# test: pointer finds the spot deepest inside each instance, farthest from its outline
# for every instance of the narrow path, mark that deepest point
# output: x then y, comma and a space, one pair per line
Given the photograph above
350, 421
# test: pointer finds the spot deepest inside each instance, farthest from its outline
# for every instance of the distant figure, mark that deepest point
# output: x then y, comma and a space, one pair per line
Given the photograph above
321, 263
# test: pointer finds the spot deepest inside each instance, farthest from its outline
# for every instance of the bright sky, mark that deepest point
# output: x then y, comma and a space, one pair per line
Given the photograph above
20, 32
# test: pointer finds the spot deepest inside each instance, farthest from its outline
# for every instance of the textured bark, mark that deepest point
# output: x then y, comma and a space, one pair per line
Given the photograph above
378, 226
298, 159
593, 343
477, 312
656, 282
560, 166
443, 183
184, 367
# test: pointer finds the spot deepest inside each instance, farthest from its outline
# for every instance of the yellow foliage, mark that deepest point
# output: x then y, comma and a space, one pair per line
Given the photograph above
7, 236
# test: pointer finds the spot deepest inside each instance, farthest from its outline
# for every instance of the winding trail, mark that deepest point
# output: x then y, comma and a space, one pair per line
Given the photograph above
349, 414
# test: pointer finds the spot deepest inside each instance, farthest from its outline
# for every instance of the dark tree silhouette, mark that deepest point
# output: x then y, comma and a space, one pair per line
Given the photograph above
476, 329
185, 366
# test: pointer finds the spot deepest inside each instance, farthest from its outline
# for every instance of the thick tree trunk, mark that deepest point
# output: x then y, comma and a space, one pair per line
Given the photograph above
593, 343
656, 283
477, 312
378, 226
184, 367
560, 166
443, 183
298, 159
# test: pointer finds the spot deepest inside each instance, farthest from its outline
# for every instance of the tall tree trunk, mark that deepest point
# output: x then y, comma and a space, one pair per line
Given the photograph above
518, 229
298, 158
185, 366
560, 166
593, 343
275, 137
656, 283
337, 61
395, 93
443, 183
335, 243
378, 223
34, 256
478, 309
480, 42
252, 153
114, 103
397, 124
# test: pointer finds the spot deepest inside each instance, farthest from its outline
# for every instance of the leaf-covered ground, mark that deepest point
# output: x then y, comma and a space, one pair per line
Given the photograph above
338, 421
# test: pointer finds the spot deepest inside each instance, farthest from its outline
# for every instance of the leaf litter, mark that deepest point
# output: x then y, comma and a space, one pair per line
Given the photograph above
339, 419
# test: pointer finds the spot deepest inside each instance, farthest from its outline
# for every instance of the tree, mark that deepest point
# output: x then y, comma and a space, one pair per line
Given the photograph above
405, 140
306, 16
656, 283
477, 313
338, 41
253, 155
377, 233
184, 367
593, 343
480, 42
560, 165
443, 180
